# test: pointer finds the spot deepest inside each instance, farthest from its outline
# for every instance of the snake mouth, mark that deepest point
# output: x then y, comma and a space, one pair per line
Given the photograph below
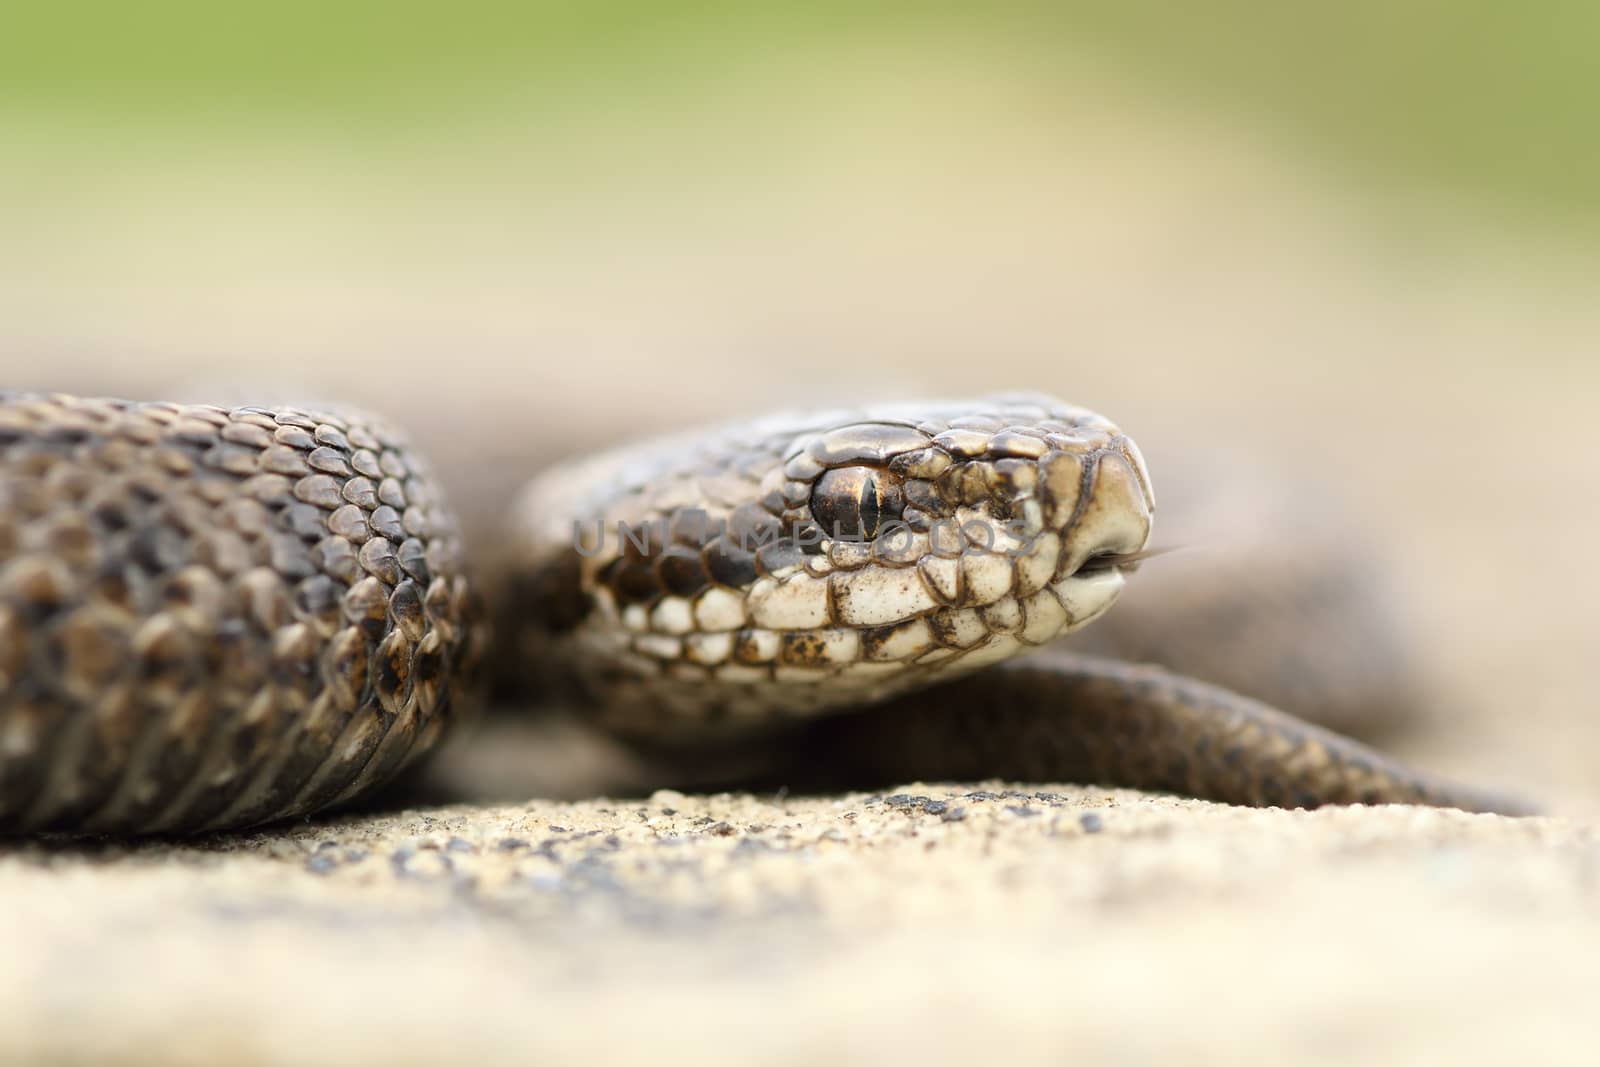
1103, 562
1119, 561
1088, 593
1090, 590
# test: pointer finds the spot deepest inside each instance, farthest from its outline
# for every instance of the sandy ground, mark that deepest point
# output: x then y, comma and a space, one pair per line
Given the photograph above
1166, 269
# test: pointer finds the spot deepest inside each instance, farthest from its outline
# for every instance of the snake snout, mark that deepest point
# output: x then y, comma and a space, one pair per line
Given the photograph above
1112, 513
1104, 506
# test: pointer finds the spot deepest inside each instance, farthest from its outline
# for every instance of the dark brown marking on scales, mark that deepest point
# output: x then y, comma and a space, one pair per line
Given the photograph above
779, 556
682, 571
728, 565
631, 575
215, 617
219, 600
747, 647
802, 649
751, 525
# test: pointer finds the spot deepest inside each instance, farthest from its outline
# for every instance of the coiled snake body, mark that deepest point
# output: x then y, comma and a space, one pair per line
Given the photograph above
211, 618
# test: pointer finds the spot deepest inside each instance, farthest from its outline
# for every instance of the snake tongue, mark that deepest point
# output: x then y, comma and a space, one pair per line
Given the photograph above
1128, 561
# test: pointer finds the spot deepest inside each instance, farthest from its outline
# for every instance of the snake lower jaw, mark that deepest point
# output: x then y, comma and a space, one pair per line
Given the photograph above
1088, 594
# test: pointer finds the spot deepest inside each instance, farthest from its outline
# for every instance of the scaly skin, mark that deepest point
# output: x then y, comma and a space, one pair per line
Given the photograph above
213, 618
1061, 716
927, 689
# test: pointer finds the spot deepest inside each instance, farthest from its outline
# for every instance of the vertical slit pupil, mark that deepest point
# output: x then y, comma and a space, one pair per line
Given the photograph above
850, 503
868, 507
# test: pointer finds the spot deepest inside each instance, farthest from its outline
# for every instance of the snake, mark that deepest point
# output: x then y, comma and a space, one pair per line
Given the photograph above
217, 617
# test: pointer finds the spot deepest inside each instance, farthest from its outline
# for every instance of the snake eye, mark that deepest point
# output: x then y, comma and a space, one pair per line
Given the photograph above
851, 503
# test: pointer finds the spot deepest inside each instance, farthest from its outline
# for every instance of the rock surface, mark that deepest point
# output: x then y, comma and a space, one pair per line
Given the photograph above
937, 923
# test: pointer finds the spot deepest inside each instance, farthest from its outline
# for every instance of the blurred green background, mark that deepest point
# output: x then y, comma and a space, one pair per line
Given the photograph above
1492, 101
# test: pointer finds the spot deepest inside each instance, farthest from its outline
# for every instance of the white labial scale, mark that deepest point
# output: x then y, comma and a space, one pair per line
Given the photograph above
1046, 618
966, 627
877, 596
1037, 567
672, 616
635, 618
800, 603
997, 648
1087, 597
1003, 616
658, 646
840, 646
988, 578
760, 645
711, 649
908, 640
943, 576
719, 609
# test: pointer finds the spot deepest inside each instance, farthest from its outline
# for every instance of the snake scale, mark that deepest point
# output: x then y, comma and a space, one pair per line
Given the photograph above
212, 618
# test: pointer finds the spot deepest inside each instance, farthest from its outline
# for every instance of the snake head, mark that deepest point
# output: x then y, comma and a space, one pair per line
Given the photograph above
812, 561
992, 525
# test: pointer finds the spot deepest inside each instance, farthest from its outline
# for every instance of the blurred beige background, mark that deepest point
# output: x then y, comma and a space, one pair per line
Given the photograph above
1357, 242
525, 231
